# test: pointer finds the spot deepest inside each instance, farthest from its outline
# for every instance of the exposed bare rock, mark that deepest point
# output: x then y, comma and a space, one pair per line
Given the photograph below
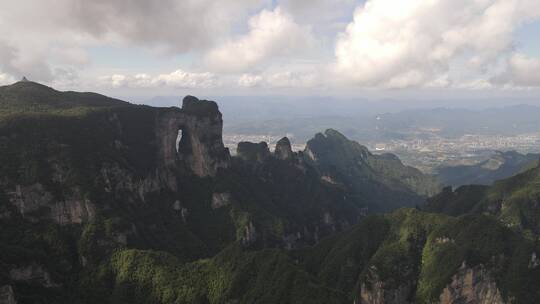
534, 262
250, 235
34, 273
7, 295
220, 200
119, 181
283, 149
253, 152
201, 146
73, 210
184, 212
329, 179
376, 292
444, 240
177, 205
472, 285
381, 179
30, 198
328, 219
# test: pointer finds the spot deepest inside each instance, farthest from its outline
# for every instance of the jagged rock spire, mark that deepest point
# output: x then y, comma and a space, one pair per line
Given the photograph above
283, 149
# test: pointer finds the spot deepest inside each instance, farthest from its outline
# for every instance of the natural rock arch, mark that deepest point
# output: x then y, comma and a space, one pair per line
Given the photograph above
200, 147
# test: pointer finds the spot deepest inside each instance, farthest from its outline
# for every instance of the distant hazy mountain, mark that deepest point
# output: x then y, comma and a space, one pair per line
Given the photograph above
499, 166
408, 125
364, 120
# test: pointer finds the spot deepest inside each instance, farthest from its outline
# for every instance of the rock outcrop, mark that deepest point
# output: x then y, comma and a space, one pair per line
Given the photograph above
347, 163
375, 291
221, 200
283, 149
253, 152
199, 124
377, 294
7, 295
471, 285
34, 199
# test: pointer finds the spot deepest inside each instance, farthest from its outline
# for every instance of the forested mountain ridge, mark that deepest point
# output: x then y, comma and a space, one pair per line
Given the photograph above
500, 165
101, 203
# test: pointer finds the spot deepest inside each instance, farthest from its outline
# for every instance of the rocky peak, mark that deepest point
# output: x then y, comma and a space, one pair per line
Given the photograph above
205, 108
253, 152
332, 146
199, 125
283, 149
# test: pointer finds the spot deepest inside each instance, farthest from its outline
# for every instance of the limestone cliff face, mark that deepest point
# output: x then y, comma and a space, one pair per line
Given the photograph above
283, 149
376, 294
468, 285
122, 154
471, 285
253, 152
376, 291
200, 125
29, 200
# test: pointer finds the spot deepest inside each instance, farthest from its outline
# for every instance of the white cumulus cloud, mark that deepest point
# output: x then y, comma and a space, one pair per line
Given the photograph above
250, 80
271, 34
414, 42
176, 79
37, 36
281, 79
522, 71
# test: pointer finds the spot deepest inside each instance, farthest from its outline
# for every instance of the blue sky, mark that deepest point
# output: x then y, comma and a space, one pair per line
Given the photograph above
374, 48
528, 39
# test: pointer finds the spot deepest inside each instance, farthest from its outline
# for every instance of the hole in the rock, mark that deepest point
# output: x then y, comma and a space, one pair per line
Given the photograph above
178, 139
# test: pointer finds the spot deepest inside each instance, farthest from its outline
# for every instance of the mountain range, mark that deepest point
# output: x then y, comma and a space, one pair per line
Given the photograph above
103, 201
499, 166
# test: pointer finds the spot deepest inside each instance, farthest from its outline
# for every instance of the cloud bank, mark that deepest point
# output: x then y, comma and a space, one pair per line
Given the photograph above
177, 79
375, 44
415, 42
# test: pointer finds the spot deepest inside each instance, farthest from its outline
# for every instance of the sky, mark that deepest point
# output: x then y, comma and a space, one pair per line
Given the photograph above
381, 48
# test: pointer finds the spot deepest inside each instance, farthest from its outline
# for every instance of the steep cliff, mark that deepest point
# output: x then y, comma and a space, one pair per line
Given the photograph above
200, 147
472, 285
381, 181
104, 174
515, 201
283, 149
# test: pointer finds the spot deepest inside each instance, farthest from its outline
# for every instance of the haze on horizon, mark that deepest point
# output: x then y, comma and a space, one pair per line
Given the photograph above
375, 49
